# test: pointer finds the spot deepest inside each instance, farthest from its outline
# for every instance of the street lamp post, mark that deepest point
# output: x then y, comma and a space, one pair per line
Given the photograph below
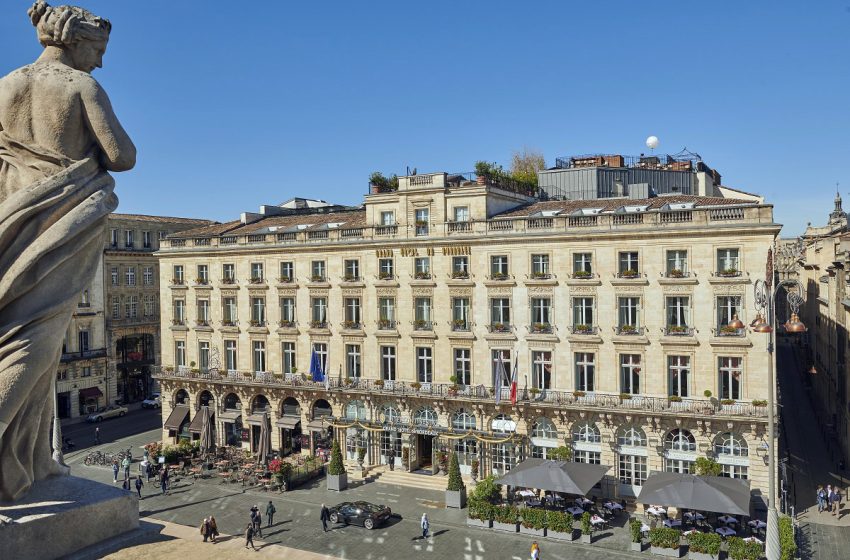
765, 302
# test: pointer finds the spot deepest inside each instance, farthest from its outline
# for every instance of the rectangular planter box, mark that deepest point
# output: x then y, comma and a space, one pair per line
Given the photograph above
637, 547
669, 552
535, 532
487, 524
702, 556
569, 537
509, 527
338, 482
587, 539
456, 499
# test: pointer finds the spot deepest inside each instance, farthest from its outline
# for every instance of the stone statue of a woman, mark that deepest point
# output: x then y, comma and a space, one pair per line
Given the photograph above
58, 138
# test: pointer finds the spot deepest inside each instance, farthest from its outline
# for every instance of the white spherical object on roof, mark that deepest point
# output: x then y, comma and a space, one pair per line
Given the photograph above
652, 142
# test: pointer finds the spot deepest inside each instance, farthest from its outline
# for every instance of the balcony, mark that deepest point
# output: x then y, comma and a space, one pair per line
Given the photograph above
499, 328
386, 231
461, 325
285, 279
541, 328
678, 330
593, 402
352, 325
83, 355
387, 325
422, 325
454, 228
628, 330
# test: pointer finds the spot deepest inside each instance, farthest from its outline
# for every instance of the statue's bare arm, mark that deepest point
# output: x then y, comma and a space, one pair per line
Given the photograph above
117, 150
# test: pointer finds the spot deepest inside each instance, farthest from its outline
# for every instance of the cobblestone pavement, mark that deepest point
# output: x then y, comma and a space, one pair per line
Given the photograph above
822, 536
297, 522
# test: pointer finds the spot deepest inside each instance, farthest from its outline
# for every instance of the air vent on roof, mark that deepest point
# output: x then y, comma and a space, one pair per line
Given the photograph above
545, 214
303, 226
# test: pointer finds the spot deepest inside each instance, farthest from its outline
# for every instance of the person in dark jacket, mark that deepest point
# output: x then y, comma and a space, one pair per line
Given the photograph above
325, 516
249, 536
270, 511
139, 485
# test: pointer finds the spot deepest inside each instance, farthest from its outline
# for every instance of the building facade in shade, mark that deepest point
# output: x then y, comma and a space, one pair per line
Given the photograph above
130, 276
822, 270
423, 304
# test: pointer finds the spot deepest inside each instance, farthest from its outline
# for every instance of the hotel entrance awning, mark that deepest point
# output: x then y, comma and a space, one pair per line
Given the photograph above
177, 417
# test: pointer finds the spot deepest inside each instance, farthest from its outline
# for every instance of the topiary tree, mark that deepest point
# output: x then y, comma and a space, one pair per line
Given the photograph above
455, 480
635, 530
336, 467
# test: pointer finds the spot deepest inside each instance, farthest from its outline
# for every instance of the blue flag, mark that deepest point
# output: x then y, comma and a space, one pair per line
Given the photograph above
316, 368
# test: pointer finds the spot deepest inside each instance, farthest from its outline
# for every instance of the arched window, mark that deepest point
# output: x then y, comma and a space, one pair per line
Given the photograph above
205, 398
631, 437
232, 402
355, 410
463, 421
260, 404
181, 397
544, 428
425, 417
730, 444
390, 414
503, 424
680, 440
586, 433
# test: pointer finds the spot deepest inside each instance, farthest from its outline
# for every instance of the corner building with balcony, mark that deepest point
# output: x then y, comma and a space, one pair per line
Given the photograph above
613, 312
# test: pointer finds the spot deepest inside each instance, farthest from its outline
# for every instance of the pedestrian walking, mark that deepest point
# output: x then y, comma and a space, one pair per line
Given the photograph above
258, 524
270, 511
821, 495
833, 501
163, 480
325, 516
205, 528
114, 471
249, 536
425, 525
535, 551
828, 501
97, 435
126, 464
126, 485
213, 529
139, 485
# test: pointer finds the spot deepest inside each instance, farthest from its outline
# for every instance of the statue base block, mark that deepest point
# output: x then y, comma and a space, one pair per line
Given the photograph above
64, 514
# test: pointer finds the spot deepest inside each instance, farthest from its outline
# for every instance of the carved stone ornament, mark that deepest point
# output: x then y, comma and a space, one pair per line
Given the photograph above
499, 291
541, 290
386, 292
229, 293
319, 292
679, 289
460, 292
423, 292
352, 292
583, 290
285, 292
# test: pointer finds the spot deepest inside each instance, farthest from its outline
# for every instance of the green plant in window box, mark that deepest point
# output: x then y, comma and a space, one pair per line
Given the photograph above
628, 329
677, 329
317, 278
415, 385
625, 396
534, 392
579, 394
540, 275
674, 398
629, 273
384, 275
348, 381
349, 278
378, 383
759, 403
583, 329
727, 401
350, 324
284, 279
677, 273
582, 274
422, 275
420, 324
460, 274
541, 327
729, 272
499, 276
256, 279
728, 329
200, 281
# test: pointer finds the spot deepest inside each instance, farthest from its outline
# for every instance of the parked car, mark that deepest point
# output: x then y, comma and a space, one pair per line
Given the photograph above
360, 513
108, 412
154, 401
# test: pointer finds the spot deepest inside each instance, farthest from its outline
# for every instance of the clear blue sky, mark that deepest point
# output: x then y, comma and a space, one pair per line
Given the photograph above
237, 104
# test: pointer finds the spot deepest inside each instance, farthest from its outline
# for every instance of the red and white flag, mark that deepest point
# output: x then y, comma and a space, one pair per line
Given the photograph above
513, 381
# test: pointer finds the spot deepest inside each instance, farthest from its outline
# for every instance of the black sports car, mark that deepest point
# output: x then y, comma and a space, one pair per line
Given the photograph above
360, 513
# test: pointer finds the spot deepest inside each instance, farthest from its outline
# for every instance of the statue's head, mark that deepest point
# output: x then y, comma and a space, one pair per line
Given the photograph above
79, 32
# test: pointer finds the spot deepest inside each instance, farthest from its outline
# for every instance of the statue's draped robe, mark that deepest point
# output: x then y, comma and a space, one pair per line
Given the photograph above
52, 219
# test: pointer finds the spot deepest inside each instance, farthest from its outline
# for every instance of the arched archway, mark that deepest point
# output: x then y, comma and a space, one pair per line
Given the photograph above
544, 438
632, 458
289, 424
260, 404
181, 396
680, 451
320, 432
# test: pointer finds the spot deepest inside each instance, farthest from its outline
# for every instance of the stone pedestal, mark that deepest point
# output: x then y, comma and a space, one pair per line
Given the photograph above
64, 514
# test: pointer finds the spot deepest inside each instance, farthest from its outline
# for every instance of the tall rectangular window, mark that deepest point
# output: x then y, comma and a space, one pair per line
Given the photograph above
321, 350
500, 311
258, 311
423, 216
630, 370
386, 312
352, 360
505, 356
228, 273
317, 271
730, 378
319, 311
387, 218
147, 276
134, 306
203, 311
461, 213
146, 239
180, 353
178, 274
585, 363
149, 305
204, 355
628, 263
678, 312
351, 269
582, 264
179, 311
130, 275
541, 370
463, 366
728, 307
203, 274
540, 266
83, 341
629, 314
679, 374
422, 312
228, 310
287, 311
129, 239
287, 271
113, 237
288, 353
388, 363
114, 275
257, 274
352, 311
499, 266
541, 311
422, 267
677, 263
460, 267
582, 313
386, 269
230, 354
424, 364
728, 262
460, 313
116, 308
259, 356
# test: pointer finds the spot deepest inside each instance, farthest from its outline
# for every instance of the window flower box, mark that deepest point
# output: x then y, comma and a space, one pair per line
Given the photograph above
257, 280
498, 276
317, 278
318, 325
460, 274
582, 274
201, 281
582, 329
628, 329
422, 276
729, 272
228, 280
351, 324
284, 279
385, 275
500, 327
286, 324
540, 275
676, 273
629, 274
541, 328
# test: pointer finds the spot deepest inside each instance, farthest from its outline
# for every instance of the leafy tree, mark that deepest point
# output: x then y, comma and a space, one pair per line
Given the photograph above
526, 164
562, 453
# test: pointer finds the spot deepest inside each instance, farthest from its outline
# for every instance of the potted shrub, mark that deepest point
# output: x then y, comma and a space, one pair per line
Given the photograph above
361, 456
628, 329
582, 329
459, 325
759, 403
636, 535
579, 394
533, 522
455, 489
541, 327
629, 273
337, 477
499, 276
534, 392
385, 275
707, 393
317, 278
559, 525
378, 383
474, 470
677, 329
739, 549
586, 528
506, 518
729, 272
625, 396
674, 398
479, 513
415, 385
787, 543
728, 330
706, 546
420, 324
664, 541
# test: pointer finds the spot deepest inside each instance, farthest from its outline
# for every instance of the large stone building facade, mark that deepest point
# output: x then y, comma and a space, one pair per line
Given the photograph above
822, 270
422, 304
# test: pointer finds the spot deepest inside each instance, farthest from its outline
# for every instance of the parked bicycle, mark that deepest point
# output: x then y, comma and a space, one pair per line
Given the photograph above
98, 458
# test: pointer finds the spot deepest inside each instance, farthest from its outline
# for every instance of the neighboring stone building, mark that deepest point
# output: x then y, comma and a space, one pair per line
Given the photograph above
131, 280
823, 273
614, 311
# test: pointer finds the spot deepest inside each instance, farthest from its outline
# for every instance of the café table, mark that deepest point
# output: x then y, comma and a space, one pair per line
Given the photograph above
575, 510
534, 502
598, 521
672, 523
725, 532
727, 519
526, 493
582, 502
